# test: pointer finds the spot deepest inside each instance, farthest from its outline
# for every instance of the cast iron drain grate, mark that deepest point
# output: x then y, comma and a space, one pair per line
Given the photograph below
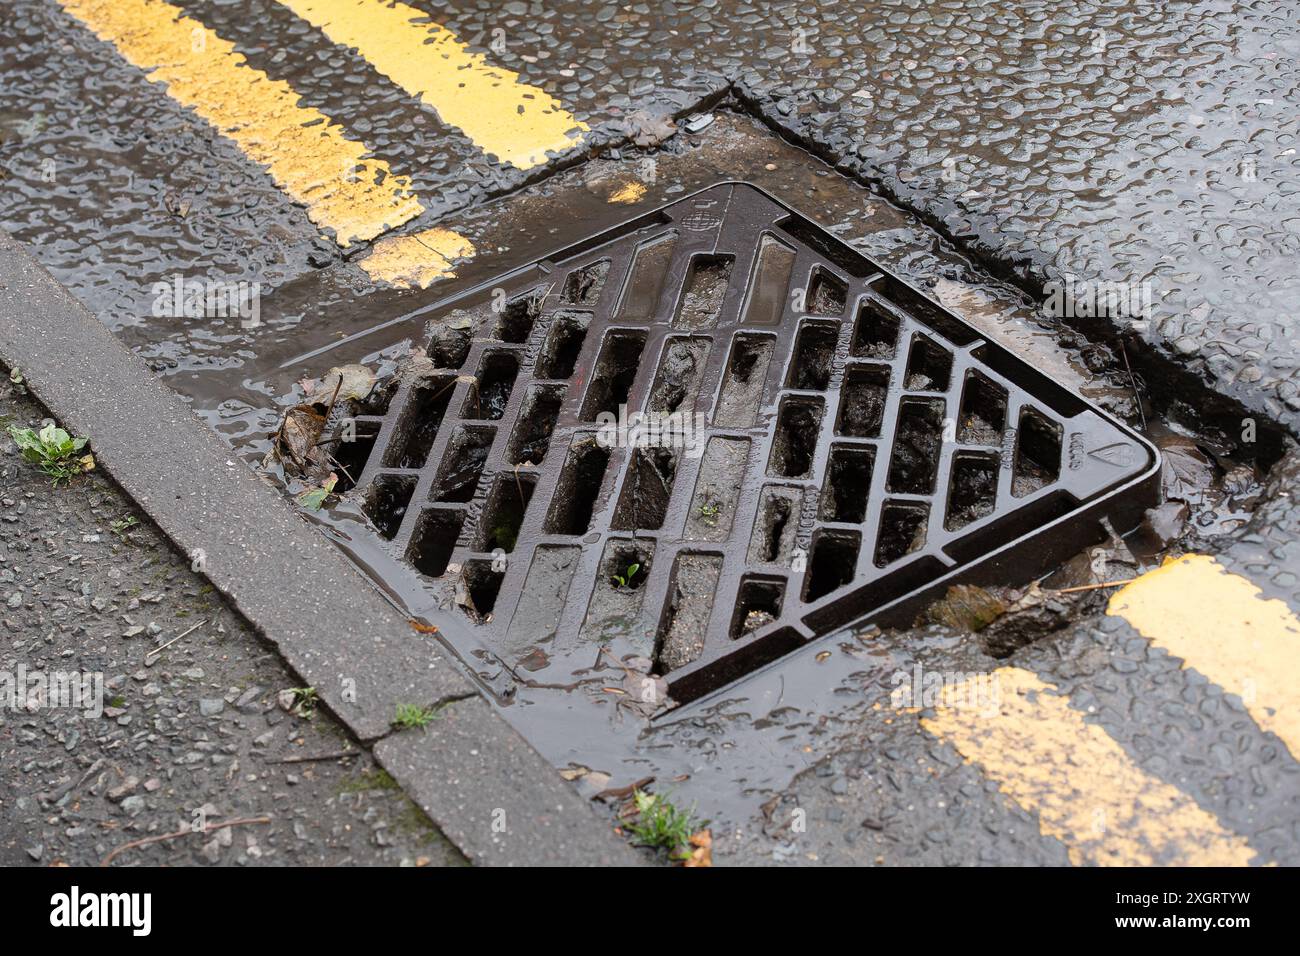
832, 444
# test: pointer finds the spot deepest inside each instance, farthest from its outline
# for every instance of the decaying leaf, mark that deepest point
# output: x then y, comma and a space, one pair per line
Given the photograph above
354, 383
647, 130
313, 498
1185, 471
702, 852
966, 607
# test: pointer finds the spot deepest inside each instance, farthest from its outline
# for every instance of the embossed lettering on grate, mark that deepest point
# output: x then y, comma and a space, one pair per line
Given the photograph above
861, 446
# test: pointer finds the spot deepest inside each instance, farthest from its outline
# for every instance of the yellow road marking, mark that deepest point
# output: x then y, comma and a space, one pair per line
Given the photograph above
417, 260
1220, 624
510, 120
628, 193
1086, 790
306, 154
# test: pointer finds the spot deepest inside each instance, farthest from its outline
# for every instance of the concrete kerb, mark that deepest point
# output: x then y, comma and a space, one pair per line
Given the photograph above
331, 626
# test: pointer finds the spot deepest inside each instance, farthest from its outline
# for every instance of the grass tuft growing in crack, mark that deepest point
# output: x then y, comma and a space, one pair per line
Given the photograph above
412, 715
662, 824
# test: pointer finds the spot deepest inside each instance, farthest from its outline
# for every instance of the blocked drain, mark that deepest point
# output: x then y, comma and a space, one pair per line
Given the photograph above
842, 446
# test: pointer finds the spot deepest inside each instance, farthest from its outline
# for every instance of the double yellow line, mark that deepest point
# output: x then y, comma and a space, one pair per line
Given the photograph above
1083, 786
309, 155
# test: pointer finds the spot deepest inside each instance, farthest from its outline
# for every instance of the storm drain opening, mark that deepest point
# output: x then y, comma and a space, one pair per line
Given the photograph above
856, 457
831, 563
973, 490
679, 374
434, 540
386, 503
862, 401
492, 387
479, 587
418, 427
875, 335
929, 366
774, 536
463, 464
742, 385
917, 442
706, 287
616, 368
584, 284
518, 316
351, 450
646, 280
685, 619
578, 488
532, 434
902, 531
814, 356
983, 411
559, 355
1038, 454
827, 295
759, 605
504, 513
795, 442
646, 491
848, 483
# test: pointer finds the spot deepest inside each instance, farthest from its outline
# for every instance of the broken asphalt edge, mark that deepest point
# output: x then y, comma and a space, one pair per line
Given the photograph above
476, 778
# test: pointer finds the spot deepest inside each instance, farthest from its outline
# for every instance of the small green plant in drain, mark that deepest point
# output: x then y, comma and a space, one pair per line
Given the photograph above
410, 716
54, 451
625, 579
710, 513
662, 824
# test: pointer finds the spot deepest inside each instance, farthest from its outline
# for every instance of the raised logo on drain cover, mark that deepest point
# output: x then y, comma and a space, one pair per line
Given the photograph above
852, 447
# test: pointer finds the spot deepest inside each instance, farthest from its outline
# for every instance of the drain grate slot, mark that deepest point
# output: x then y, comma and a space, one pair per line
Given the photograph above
796, 437
831, 564
1038, 454
495, 381
463, 465
983, 411
563, 345
742, 388
578, 488
434, 540
902, 531
814, 355
499, 526
706, 287
685, 620
862, 401
865, 449
584, 284
848, 482
759, 605
616, 367
386, 503
916, 447
973, 490
537, 418
679, 374
827, 295
647, 490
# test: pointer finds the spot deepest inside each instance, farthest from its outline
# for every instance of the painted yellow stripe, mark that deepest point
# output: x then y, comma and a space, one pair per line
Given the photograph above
418, 260
303, 150
1086, 791
1220, 624
510, 120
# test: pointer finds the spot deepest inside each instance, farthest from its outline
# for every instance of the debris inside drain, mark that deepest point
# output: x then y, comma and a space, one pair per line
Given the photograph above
714, 434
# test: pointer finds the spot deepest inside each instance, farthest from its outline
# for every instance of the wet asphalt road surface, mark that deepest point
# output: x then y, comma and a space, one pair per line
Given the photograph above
1036, 140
